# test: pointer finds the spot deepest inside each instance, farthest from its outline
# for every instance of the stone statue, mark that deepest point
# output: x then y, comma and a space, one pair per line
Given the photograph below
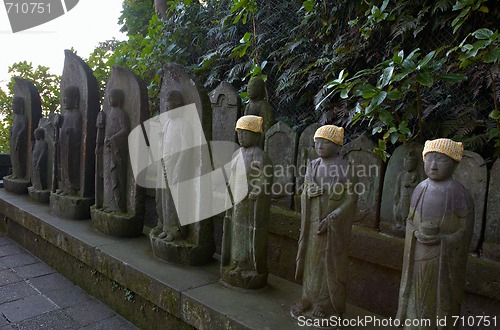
115, 155
438, 234
405, 184
17, 139
175, 165
70, 139
184, 232
99, 162
119, 199
328, 206
244, 242
39, 177
258, 105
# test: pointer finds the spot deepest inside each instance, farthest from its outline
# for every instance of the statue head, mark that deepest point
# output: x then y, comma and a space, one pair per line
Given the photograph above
174, 99
256, 88
39, 133
249, 130
18, 105
410, 161
71, 97
116, 97
328, 140
441, 157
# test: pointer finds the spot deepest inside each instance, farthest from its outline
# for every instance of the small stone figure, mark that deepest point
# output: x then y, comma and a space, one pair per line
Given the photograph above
328, 206
405, 184
438, 234
70, 142
99, 162
39, 156
17, 140
115, 156
244, 242
258, 106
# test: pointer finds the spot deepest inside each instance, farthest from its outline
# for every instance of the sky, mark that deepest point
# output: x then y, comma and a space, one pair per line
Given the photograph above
83, 27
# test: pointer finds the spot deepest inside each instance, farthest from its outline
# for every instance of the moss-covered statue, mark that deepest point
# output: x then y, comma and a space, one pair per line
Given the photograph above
244, 243
17, 139
438, 234
328, 204
258, 105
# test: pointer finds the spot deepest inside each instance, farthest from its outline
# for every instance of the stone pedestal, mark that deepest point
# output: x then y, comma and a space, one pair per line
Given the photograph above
116, 224
243, 279
16, 186
181, 252
71, 207
41, 196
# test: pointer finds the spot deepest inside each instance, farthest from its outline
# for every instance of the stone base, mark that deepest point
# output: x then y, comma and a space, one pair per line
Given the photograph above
16, 186
116, 224
491, 251
249, 279
392, 230
70, 207
181, 252
41, 196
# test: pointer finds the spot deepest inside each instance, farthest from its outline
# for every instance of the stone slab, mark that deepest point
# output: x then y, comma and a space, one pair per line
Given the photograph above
26, 308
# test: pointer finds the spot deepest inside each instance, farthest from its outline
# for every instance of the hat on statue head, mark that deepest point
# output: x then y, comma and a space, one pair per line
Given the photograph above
448, 147
331, 133
250, 123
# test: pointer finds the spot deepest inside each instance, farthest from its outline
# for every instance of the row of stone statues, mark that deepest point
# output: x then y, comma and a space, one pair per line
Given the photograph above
439, 212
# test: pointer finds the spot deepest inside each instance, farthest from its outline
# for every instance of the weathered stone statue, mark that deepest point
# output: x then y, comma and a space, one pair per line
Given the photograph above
27, 110
244, 242
17, 138
75, 138
119, 200
70, 140
258, 105
99, 161
184, 233
39, 177
328, 206
115, 154
42, 161
405, 184
438, 233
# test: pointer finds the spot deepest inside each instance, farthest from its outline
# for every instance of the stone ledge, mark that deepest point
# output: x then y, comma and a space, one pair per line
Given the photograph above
191, 296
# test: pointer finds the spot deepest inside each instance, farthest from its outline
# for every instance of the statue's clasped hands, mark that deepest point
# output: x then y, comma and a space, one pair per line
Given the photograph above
314, 191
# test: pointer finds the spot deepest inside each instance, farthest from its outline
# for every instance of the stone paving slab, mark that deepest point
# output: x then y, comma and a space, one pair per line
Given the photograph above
35, 296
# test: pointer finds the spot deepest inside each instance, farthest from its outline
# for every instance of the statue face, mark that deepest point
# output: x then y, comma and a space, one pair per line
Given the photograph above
410, 164
115, 98
248, 138
256, 88
39, 134
438, 166
17, 107
325, 148
70, 99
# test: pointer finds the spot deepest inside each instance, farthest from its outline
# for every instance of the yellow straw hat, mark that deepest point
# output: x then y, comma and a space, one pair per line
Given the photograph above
331, 133
448, 147
250, 123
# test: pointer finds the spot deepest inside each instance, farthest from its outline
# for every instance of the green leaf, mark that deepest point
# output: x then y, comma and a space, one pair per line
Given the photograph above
424, 78
308, 5
378, 98
495, 115
398, 58
385, 117
492, 55
376, 130
386, 76
482, 34
426, 59
394, 138
452, 77
394, 95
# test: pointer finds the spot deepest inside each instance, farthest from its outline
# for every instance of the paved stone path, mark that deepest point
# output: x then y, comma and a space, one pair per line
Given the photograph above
35, 296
